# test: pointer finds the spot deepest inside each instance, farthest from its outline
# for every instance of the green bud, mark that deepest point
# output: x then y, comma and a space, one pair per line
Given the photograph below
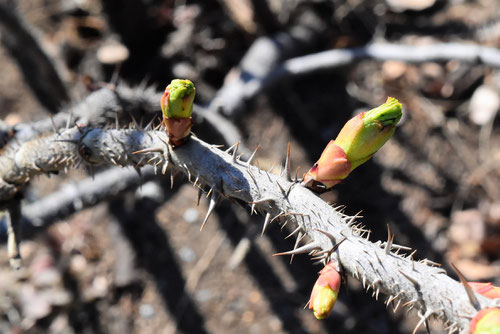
177, 101
364, 134
358, 140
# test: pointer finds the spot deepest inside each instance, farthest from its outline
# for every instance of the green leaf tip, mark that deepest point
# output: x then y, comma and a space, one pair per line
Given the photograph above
388, 114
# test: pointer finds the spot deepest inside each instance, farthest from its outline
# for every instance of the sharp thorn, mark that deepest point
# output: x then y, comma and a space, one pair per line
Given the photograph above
252, 176
287, 164
164, 167
422, 320
412, 261
172, 176
150, 150
252, 209
210, 191
289, 189
281, 189
261, 201
409, 302
296, 178
470, 293
235, 152
397, 306
214, 199
411, 279
432, 263
427, 327
294, 231
136, 124
70, 119
276, 217
304, 249
329, 235
300, 236
364, 281
117, 122
253, 155
389, 240
200, 193
272, 167
54, 125
230, 148
284, 224
266, 223
148, 126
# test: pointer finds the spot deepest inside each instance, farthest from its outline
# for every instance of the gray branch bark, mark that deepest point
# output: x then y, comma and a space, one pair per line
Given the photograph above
414, 284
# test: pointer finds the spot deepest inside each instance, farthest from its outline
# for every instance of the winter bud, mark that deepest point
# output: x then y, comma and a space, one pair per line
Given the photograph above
177, 107
486, 321
325, 291
358, 140
177, 101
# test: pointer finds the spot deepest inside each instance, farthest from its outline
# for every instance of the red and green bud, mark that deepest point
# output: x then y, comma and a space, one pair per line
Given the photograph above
359, 139
486, 289
325, 291
486, 321
177, 101
177, 107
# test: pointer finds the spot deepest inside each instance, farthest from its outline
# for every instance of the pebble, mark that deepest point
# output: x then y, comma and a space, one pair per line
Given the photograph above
187, 254
203, 295
483, 105
112, 53
191, 215
416, 5
147, 311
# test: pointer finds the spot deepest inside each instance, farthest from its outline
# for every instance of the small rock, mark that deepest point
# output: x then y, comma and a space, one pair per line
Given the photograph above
416, 5
77, 265
191, 215
187, 254
483, 105
432, 70
150, 190
98, 289
112, 53
393, 70
147, 311
203, 295
34, 306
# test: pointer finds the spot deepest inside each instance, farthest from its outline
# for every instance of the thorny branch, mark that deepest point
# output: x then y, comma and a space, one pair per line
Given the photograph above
413, 284
119, 105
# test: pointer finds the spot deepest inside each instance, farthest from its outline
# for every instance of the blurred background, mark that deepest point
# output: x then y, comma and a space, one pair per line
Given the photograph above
134, 261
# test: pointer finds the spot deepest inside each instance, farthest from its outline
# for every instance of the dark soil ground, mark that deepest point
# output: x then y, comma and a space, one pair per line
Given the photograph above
138, 263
